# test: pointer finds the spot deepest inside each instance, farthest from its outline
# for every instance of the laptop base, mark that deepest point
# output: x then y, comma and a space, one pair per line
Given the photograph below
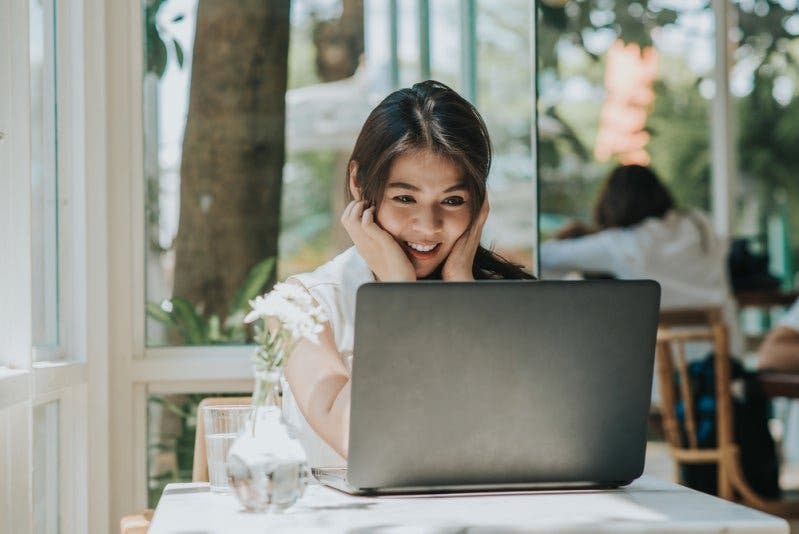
336, 478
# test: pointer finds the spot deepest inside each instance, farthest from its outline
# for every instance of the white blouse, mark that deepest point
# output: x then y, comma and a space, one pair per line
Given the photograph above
669, 250
334, 286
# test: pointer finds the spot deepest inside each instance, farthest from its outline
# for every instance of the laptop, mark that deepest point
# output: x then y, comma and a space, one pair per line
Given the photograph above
499, 385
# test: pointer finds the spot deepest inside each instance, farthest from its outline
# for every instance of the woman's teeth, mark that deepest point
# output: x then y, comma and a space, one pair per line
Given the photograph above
421, 248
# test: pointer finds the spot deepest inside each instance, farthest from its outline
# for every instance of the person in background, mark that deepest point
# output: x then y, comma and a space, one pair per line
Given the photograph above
639, 232
780, 350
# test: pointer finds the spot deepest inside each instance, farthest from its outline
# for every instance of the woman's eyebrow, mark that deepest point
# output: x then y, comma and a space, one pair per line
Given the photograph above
403, 185
461, 186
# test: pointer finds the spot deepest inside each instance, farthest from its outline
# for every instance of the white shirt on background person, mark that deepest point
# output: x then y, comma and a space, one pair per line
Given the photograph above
689, 264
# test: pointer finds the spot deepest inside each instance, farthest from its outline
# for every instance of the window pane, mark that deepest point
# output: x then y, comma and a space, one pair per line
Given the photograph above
46, 478
764, 82
171, 427
622, 82
233, 180
445, 41
504, 97
44, 174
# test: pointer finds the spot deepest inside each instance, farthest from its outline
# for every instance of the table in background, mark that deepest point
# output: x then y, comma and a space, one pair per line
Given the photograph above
779, 384
647, 505
765, 298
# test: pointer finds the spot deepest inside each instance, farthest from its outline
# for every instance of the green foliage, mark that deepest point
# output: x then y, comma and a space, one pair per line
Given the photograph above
178, 445
172, 442
253, 285
680, 148
156, 37
184, 318
578, 18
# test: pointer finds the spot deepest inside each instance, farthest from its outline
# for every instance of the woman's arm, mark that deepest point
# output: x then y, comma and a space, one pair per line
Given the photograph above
320, 383
780, 350
593, 252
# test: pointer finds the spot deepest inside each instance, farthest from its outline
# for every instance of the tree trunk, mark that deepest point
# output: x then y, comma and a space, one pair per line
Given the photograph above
233, 149
339, 43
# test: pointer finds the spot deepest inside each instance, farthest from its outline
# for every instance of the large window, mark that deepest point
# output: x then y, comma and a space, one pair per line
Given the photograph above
764, 82
44, 175
622, 82
250, 112
229, 196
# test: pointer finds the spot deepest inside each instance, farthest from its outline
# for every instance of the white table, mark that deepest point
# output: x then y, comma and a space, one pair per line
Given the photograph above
647, 505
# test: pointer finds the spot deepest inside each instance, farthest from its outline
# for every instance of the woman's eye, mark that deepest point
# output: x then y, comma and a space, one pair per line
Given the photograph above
403, 199
454, 201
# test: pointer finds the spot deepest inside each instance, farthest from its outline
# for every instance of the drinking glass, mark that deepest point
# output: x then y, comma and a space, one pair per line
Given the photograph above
223, 423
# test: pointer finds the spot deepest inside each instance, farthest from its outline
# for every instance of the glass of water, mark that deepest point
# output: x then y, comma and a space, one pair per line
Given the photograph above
223, 423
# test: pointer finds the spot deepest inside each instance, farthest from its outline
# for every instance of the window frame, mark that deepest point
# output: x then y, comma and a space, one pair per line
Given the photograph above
74, 373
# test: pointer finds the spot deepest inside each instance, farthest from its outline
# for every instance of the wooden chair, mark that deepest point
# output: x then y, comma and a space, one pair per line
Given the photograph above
139, 523
676, 328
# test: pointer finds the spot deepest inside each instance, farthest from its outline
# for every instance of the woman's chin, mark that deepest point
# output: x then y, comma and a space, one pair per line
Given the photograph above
426, 267
425, 270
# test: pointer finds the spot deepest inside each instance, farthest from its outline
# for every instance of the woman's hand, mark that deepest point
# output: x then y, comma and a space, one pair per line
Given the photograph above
382, 253
458, 265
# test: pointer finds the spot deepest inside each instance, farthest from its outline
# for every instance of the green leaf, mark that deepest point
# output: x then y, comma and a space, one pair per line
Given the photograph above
253, 284
188, 321
214, 330
155, 311
178, 52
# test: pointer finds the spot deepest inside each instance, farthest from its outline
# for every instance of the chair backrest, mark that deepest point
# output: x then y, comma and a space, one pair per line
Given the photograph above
199, 472
676, 328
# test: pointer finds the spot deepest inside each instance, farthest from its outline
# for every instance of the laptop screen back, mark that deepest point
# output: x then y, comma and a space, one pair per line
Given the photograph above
501, 382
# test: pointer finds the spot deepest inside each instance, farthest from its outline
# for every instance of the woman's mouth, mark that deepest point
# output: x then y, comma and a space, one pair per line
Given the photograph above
422, 251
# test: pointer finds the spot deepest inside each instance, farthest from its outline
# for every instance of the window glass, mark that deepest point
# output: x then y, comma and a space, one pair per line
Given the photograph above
622, 82
46, 478
171, 429
44, 174
246, 171
764, 82
504, 97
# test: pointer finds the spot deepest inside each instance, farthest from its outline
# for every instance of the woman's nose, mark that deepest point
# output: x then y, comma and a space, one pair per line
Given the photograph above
428, 220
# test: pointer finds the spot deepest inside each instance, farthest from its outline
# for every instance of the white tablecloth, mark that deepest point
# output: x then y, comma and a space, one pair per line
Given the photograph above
647, 505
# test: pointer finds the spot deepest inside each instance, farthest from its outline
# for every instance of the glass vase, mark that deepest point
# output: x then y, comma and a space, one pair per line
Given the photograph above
267, 466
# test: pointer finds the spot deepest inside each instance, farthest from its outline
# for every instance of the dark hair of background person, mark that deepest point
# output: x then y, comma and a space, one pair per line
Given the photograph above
430, 116
632, 194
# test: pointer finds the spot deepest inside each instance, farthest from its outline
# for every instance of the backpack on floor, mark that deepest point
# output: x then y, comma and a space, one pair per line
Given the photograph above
751, 411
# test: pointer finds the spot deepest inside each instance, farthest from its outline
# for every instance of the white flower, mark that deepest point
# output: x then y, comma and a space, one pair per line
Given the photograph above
294, 310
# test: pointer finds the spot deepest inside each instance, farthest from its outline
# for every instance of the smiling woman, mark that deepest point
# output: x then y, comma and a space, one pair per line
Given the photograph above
417, 182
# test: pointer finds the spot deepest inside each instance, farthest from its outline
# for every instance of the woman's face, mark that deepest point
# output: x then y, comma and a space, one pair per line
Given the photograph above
425, 208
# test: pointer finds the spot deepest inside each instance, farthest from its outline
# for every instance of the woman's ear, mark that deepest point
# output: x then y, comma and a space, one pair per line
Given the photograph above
355, 190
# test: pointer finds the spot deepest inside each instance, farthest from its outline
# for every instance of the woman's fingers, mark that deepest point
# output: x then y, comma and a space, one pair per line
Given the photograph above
345, 215
367, 215
371, 228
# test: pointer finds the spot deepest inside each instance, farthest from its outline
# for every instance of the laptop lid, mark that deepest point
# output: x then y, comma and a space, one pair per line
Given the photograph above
501, 382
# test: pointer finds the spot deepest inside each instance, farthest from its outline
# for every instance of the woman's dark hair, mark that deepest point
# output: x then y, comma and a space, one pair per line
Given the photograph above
429, 116
631, 194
